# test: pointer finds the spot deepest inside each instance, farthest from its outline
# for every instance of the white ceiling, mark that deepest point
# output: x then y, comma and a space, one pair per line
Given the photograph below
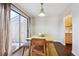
51, 9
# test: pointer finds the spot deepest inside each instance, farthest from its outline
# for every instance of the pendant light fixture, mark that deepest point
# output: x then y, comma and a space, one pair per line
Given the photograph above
42, 13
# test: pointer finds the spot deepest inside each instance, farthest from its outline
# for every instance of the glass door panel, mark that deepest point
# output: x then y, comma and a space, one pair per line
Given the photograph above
23, 30
14, 30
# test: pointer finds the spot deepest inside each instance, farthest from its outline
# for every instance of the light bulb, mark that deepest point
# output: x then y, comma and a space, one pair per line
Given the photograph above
41, 14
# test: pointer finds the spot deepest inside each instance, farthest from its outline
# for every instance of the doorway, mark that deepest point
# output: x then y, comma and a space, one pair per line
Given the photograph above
68, 34
68, 29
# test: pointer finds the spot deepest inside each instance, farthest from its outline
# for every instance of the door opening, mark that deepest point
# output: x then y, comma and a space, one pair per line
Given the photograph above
68, 29
68, 34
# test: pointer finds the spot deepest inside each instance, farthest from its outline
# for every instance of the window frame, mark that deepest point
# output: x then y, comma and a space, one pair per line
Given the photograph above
21, 13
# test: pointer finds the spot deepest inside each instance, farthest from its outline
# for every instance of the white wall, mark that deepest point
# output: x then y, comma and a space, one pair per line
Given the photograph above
61, 29
75, 13
32, 26
55, 27
61, 23
47, 25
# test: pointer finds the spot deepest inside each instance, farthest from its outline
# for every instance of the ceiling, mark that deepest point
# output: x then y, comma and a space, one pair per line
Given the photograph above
51, 9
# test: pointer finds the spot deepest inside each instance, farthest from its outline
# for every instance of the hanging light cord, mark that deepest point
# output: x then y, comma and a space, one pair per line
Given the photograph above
42, 13
42, 9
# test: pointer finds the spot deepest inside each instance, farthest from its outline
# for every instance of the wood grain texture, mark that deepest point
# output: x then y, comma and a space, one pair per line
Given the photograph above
68, 38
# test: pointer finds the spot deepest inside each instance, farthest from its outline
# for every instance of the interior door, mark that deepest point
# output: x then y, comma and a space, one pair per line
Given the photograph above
68, 29
68, 38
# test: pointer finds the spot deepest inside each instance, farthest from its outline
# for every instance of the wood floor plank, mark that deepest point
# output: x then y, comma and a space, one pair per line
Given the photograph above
61, 50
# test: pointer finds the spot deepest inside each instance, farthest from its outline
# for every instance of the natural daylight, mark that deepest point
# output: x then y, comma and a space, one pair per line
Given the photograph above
39, 29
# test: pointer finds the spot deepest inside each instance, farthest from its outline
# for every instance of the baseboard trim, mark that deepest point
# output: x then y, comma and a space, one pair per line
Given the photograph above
62, 43
74, 53
58, 41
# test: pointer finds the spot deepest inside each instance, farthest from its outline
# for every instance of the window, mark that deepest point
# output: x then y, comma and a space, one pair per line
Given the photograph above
18, 28
14, 30
23, 30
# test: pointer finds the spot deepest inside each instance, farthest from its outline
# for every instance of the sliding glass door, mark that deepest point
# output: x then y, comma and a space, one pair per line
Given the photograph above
18, 29
14, 30
23, 26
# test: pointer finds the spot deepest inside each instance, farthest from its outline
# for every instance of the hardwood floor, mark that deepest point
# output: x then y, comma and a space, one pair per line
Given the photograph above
68, 50
61, 50
18, 52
